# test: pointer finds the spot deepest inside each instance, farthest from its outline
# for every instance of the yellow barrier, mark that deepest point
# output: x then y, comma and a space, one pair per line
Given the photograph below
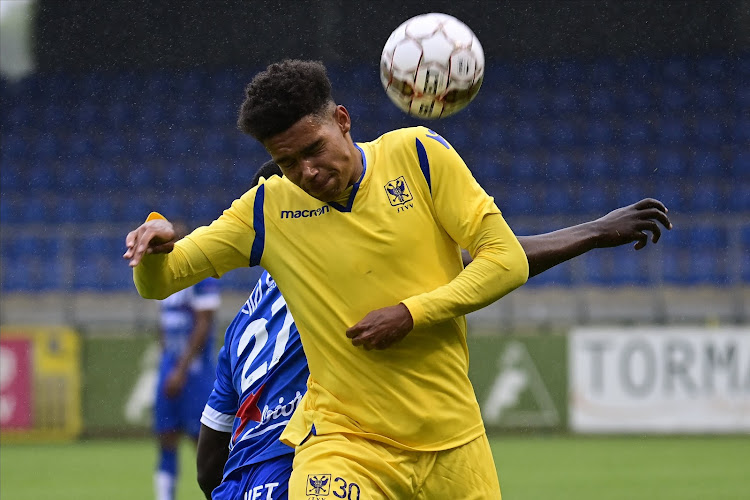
40, 383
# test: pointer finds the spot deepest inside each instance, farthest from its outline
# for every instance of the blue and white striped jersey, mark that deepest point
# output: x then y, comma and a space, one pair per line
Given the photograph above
177, 320
261, 377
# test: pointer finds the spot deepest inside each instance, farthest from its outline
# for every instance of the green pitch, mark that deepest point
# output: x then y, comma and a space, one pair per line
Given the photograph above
530, 468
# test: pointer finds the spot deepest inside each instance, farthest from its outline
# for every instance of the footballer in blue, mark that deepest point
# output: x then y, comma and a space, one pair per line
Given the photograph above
263, 363
186, 374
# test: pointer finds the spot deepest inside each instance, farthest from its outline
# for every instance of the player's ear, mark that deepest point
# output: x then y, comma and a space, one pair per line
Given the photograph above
342, 119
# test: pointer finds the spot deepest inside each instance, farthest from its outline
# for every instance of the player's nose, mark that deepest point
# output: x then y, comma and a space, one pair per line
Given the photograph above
309, 170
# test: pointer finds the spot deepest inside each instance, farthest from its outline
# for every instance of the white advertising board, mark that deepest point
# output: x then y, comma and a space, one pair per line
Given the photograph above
660, 380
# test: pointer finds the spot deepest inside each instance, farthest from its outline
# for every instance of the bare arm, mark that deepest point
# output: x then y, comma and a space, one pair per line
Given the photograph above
213, 450
619, 227
198, 337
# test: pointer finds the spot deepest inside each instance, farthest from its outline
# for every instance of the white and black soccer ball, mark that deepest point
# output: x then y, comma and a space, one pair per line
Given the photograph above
432, 66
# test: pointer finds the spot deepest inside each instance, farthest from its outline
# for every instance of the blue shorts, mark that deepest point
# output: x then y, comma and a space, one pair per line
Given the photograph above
183, 412
267, 480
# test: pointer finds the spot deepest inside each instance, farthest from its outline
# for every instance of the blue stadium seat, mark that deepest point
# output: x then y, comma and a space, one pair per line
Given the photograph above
708, 267
100, 209
560, 167
73, 176
706, 163
526, 136
745, 267
532, 74
495, 107
709, 131
632, 164
595, 200
668, 192
672, 132
107, 177
529, 104
740, 129
599, 132
14, 147
635, 132
676, 70
603, 72
523, 168
564, 102
174, 205
139, 176
675, 266
674, 99
562, 135
742, 97
707, 237
634, 100
33, 210
670, 163
630, 268
556, 199
16, 275
711, 69
10, 206
567, 73
710, 99
11, 177
706, 197
595, 165
47, 274
596, 268
740, 164
601, 102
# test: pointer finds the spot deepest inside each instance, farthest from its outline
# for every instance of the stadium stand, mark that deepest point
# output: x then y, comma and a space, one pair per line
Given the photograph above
553, 142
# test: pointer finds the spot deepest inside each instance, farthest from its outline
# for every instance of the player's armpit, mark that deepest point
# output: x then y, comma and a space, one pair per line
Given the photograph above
499, 267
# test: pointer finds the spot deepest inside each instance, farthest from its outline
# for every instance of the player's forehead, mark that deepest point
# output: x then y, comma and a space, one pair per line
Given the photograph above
305, 134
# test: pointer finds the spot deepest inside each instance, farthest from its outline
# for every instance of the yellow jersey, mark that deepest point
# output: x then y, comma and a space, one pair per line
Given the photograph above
397, 238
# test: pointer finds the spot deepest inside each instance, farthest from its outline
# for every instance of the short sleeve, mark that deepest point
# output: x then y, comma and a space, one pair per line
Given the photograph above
222, 405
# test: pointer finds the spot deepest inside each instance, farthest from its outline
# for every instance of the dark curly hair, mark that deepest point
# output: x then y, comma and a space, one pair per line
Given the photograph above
282, 94
266, 170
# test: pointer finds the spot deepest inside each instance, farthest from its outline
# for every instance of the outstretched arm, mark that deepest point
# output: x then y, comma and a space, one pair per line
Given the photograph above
213, 450
619, 227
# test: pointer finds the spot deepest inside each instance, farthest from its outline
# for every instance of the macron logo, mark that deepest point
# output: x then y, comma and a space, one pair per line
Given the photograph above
296, 214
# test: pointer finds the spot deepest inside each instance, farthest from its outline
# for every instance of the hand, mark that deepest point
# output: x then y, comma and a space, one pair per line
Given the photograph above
154, 236
628, 224
174, 383
382, 328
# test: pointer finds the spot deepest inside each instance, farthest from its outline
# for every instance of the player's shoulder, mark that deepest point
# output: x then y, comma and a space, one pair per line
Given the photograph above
405, 135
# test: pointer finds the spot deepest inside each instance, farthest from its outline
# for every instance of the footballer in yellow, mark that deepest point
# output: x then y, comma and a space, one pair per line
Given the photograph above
364, 241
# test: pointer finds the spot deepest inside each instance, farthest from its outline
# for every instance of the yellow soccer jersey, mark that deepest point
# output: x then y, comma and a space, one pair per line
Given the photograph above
398, 238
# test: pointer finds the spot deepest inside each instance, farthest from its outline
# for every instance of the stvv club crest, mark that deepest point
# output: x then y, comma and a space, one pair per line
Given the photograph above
398, 191
318, 484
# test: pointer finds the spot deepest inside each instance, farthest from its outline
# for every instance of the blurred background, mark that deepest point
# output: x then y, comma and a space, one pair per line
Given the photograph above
112, 109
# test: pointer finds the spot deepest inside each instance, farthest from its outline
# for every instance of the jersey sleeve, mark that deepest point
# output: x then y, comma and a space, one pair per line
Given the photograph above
206, 295
471, 218
208, 251
228, 241
222, 404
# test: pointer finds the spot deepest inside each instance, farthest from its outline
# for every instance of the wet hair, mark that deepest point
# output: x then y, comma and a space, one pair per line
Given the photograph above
283, 93
266, 170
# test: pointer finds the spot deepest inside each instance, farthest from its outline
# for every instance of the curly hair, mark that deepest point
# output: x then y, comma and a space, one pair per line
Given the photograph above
278, 97
266, 170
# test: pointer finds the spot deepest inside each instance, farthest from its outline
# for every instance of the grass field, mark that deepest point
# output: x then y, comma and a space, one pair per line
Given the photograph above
530, 468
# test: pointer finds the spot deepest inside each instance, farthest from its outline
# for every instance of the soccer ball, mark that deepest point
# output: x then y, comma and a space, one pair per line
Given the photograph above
432, 66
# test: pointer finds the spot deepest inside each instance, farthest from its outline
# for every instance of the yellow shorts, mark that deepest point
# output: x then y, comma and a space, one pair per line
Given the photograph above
342, 466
